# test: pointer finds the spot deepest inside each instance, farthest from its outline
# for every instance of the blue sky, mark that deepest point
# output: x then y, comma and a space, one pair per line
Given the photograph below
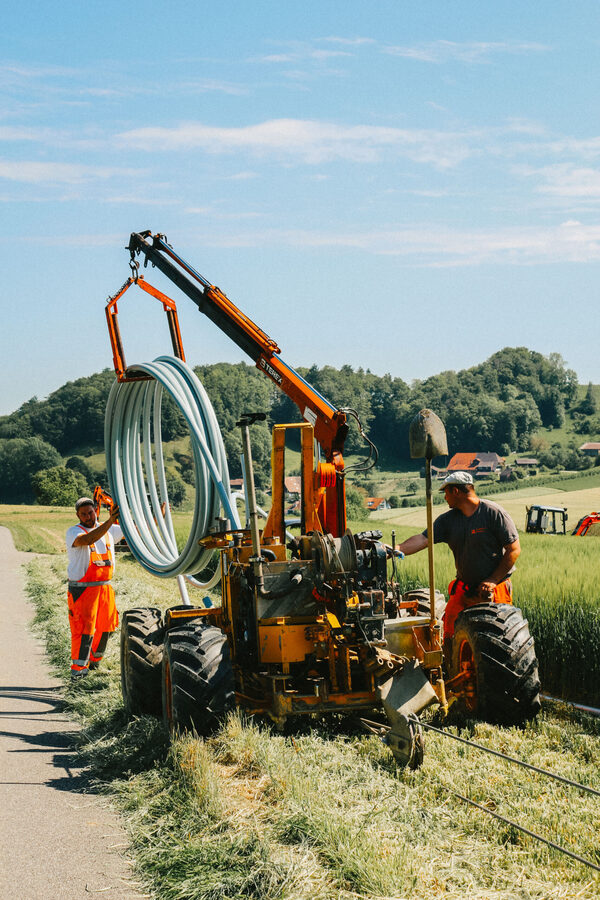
406, 187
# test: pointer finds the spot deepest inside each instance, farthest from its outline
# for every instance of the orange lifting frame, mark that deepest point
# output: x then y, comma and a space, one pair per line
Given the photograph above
116, 343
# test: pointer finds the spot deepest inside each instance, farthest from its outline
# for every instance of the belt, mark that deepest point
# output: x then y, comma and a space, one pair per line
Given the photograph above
467, 587
86, 584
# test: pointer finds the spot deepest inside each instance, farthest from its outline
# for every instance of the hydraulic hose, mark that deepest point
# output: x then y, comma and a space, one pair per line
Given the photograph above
136, 472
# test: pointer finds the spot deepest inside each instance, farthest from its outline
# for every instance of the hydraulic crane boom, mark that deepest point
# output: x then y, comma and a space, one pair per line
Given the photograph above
329, 423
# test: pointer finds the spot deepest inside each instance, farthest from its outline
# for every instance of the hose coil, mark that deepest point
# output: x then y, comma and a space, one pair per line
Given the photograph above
136, 472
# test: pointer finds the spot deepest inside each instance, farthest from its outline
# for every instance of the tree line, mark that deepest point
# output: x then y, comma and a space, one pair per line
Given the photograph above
498, 405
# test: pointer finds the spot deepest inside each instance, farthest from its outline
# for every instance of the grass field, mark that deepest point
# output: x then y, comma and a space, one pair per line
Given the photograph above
322, 811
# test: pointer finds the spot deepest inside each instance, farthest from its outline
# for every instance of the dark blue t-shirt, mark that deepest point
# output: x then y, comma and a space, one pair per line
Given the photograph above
476, 541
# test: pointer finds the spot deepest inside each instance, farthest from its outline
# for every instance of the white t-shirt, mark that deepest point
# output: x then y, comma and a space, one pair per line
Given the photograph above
79, 557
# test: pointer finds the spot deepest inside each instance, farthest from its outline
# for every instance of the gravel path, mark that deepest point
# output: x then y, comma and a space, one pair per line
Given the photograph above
58, 840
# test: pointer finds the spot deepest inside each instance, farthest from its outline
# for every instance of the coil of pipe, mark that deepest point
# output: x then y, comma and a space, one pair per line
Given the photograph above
136, 470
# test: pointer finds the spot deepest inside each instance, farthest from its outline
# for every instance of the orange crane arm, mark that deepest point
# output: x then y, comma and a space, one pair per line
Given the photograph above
330, 425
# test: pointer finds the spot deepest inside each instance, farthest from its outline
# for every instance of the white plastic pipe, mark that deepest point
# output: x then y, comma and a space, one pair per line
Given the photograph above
136, 473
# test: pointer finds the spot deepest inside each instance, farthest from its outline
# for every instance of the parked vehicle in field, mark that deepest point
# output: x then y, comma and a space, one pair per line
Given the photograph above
546, 519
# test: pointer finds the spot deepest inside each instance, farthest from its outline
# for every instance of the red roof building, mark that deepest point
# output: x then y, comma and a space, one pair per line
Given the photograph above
476, 463
592, 448
376, 503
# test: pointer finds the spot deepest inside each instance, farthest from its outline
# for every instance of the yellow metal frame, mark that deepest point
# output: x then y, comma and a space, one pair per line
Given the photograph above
275, 525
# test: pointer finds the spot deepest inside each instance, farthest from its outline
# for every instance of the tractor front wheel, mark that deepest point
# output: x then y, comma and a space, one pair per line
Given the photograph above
421, 595
197, 678
142, 635
494, 665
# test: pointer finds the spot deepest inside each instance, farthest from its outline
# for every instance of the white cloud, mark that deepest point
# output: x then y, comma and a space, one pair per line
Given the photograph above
309, 141
35, 135
349, 42
58, 173
468, 51
564, 180
435, 246
242, 176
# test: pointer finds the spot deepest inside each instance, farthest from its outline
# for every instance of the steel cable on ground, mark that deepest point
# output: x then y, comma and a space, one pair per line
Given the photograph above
537, 770
381, 730
136, 469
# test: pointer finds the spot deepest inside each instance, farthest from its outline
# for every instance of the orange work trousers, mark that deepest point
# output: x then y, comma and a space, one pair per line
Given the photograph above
93, 614
92, 617
460, 597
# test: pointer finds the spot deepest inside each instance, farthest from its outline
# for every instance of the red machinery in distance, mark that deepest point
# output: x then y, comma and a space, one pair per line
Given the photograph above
587, 522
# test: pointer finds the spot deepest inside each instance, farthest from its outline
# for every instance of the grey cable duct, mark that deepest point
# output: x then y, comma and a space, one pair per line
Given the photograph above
136, 473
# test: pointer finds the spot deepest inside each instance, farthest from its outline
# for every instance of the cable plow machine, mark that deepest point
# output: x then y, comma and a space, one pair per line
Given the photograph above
309, 624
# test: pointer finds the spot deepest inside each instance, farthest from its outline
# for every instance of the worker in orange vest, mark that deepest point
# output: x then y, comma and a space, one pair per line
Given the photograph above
93, 615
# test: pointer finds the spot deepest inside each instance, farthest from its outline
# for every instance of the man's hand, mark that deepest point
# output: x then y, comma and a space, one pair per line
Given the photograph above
486, 591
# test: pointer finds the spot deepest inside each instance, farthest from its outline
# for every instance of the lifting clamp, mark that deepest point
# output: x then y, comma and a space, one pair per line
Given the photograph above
116, 343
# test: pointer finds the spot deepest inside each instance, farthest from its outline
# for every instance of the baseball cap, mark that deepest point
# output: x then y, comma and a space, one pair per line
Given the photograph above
83, 501
457, 478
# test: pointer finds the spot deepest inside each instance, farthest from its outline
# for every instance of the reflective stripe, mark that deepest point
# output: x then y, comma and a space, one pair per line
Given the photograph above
80, 662
86, 584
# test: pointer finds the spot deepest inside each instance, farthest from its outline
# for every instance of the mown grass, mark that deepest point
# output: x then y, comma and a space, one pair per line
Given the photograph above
322, 812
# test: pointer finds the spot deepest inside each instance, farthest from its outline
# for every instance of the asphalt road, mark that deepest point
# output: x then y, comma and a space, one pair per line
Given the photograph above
58, 840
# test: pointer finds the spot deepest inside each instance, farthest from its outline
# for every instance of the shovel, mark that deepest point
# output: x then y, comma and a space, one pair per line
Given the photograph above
427, 439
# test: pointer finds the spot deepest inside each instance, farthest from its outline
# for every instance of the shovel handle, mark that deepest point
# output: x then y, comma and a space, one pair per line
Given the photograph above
429, 502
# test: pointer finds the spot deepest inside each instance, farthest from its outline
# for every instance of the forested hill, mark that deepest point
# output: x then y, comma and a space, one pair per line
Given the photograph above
496, 406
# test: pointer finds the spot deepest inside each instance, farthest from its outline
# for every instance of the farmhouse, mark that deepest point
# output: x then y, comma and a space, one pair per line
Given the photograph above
293, 487
591, 448
478, 464
376, 503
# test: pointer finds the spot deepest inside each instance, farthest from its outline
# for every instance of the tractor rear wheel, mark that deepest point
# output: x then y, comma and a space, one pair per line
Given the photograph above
494, 651
197, 678
142, 636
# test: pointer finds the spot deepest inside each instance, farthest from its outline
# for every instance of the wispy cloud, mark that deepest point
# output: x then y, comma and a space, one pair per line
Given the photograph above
302, 51
310, 141
58, 173
349, 42
567, 181
435, 246
222, 216
33, 135
467, 52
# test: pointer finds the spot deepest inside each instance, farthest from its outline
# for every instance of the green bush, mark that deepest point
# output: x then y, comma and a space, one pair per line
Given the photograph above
58, 486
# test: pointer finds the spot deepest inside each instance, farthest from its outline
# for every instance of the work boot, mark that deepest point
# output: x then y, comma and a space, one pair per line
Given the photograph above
94, 663
78, 674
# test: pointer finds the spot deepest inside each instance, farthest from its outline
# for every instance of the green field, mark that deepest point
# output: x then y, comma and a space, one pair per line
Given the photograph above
322, 812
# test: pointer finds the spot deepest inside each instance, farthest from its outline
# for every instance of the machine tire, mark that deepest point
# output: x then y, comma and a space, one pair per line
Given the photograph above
494, 640
142, 636
421, 595
197, 678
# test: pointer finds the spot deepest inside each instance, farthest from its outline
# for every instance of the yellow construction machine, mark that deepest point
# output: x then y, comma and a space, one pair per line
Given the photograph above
309, 624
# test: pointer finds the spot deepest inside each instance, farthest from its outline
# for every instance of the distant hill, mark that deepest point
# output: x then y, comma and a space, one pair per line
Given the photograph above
516, 401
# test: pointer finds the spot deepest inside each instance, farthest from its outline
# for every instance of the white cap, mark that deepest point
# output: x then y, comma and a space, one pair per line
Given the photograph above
83, 501
457, 478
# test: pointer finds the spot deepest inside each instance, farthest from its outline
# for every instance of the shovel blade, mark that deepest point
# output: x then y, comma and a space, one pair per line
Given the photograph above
427, 436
